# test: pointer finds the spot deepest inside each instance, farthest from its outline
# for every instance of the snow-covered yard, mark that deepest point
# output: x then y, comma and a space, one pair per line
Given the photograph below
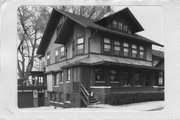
143, 106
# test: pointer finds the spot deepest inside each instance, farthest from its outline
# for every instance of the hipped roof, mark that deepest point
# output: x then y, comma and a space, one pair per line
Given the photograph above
85, 22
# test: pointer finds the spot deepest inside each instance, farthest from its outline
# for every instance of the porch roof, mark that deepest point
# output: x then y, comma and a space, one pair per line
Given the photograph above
96, 59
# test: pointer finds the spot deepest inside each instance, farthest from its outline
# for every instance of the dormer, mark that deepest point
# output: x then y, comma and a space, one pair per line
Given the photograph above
123, 21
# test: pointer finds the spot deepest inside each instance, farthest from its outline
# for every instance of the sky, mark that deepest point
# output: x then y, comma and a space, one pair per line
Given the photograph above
152, 20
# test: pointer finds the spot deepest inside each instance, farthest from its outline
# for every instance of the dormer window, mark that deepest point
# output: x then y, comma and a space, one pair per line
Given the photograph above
120, 26
114, 24
125, 28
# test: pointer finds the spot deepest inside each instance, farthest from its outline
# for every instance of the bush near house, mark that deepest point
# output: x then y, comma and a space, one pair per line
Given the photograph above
133, 97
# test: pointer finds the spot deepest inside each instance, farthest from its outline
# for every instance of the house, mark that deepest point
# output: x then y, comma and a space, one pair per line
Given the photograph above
32, 92
87, 59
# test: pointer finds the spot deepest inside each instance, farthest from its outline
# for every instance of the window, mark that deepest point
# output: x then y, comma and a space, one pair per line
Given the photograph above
56, 78
125, 28
68, 98
99, 76
62, 51
52, 96
61, 77
113, 76
60, 97
137, 79
48, 58
80, 45
114, 24
134, 51
117, 48
56, 54
120, 26
107, 45
40, 81
160, 78
68, 75
141, 52
126, 49
125, 79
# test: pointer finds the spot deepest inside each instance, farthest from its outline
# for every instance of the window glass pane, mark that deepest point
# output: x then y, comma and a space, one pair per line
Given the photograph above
116, 43
62, 49
125, 44
56, 52
134, 46
80, 46
141, 48
80, 41
107, 46
106, 40
69, 75
125, 27
141, 54
117, 48
113, 75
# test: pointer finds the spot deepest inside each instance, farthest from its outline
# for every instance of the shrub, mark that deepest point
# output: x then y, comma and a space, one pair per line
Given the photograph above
133, 97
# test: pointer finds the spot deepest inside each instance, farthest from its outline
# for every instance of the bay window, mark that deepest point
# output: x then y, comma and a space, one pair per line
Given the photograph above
134, 51
99, 76
113, 76
107, 45
125, 49
141, 52
117, 48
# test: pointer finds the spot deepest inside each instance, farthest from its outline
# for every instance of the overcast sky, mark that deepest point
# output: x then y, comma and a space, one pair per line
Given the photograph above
152, 20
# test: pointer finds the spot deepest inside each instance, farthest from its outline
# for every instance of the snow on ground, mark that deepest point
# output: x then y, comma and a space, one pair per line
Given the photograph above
143, 106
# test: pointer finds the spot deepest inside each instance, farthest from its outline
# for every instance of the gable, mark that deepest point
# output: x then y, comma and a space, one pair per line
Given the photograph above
123, 16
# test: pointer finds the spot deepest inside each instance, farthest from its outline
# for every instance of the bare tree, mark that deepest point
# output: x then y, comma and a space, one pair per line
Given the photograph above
31, 25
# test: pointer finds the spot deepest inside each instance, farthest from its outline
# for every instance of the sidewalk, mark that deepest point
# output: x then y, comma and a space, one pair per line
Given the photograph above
143, 106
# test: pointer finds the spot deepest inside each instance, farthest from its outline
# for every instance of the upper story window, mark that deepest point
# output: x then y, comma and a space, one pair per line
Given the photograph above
134, 51
125, 49
78, 46
115, 24
120, 26
68, 75
125, 28
62, 51
107, 45
48, 57
56, 54
117, 48
141, 52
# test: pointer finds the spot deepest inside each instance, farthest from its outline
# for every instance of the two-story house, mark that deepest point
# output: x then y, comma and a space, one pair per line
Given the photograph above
87, 58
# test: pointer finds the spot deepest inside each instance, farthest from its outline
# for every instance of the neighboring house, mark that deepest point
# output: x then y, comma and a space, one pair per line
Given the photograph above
32, 92
87, 59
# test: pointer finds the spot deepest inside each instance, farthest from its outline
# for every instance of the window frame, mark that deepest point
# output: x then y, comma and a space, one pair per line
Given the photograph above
116, 76
55, 80
68, 75
48, 58
141, 51
109, 44
134, 49
79, 44
125, 47
62, 54
101, 76
68, 98
116, 46
57, 56
61, 77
